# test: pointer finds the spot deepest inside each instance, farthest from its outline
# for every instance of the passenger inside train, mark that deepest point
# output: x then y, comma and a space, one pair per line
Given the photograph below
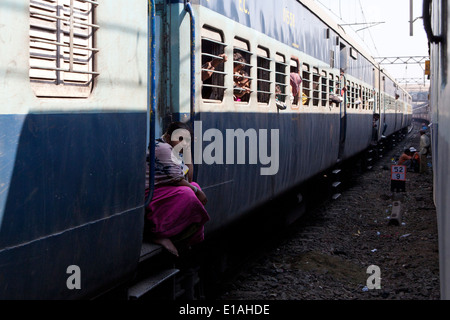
210, 66
176, 214
212, 82
295, 81
242, 80
279, 98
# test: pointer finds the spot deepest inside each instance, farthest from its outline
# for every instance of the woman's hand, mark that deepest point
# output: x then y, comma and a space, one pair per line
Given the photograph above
199, 193
201, 197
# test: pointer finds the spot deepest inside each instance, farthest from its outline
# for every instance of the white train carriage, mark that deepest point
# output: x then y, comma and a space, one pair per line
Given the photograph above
435, 15
73, 86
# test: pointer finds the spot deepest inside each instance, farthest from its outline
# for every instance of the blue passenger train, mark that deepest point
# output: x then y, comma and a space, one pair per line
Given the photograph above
88, 84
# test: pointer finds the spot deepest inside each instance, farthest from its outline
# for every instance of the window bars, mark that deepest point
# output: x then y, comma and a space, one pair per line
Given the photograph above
61, 47
213, 84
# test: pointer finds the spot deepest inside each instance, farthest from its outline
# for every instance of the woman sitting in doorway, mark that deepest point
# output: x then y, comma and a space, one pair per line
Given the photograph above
176, 212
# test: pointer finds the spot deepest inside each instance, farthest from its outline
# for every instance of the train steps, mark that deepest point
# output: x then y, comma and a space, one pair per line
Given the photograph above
146, 285
335, 185
149, 252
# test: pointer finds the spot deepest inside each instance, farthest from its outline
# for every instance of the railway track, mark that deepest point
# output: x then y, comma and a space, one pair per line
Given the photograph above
325, 255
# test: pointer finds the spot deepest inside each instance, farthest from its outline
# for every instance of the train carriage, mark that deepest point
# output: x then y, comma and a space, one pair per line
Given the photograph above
72, 145
436, 18
87, 85
276, 39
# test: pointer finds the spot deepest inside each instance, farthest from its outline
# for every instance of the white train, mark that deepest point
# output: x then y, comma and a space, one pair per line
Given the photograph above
435, 15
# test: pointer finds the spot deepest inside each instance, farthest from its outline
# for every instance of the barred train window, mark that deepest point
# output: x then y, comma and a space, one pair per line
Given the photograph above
324, 89
280, 77
306, 75
213, 66
338, 90
61, 47
316, 87
242, 70
350, 95
295, 68
263, 75
331, 84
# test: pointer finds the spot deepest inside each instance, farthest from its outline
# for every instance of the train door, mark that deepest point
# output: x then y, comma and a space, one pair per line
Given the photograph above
343, 105
376, 104
398, 112
156, 72
383, 127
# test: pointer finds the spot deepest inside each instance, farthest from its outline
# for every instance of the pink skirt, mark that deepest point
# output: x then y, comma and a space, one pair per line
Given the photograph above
174, 209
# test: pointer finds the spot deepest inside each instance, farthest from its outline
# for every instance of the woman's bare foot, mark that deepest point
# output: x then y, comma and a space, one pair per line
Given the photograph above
168, 245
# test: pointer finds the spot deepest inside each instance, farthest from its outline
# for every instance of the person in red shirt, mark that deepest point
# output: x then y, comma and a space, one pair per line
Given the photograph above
405, 158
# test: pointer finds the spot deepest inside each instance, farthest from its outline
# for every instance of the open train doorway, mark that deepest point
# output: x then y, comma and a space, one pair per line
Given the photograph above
343, 105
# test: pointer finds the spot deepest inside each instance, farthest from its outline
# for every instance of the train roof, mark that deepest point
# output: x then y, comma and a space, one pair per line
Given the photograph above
325, 17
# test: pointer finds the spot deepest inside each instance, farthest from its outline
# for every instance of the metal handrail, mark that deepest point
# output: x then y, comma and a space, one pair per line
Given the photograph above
188, 8
152, 100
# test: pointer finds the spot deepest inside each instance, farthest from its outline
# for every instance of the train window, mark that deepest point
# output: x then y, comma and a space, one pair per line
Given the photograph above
337, 89
242, 70
263, 67
324, 89
213, 66
61, 47
332, 59
316, 87
364, 98
349, 95
306, 75
379, 102
371, 100
331, 84
367, 99
280, 78
295, 69
353, 53
359, 98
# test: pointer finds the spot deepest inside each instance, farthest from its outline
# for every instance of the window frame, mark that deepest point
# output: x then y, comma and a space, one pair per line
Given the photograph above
306, 83
61, 48
242, 45
280, 63
294, 67
216, 82
263, 76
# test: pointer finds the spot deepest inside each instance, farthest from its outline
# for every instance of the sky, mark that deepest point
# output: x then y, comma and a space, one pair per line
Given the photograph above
389, 39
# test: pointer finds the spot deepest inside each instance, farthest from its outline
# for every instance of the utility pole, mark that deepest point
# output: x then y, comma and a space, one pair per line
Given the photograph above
411, 18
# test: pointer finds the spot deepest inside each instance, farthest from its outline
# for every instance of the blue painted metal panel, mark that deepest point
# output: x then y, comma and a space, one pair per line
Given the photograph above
305, 149
67, 182
107, 252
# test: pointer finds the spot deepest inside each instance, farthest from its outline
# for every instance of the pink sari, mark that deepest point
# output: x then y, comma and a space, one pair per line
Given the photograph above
173, 210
